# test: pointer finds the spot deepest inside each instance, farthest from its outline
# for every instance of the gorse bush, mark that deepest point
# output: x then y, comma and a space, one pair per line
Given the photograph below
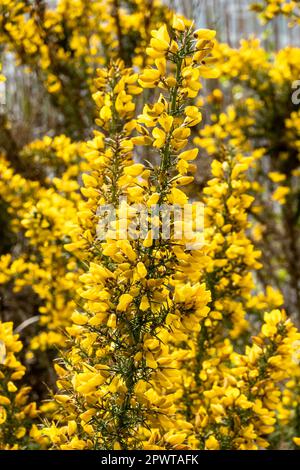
65, 45
16, 412
146, 339
262, 119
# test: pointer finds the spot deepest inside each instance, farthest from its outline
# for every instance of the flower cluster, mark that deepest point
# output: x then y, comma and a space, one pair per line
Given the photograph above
135, 304
262, 121
67, 43
40, 215
238, 409
164, 336
269, 9
16, 409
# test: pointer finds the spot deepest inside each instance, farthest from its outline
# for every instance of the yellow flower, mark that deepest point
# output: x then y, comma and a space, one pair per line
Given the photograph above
280, 194
189, 154
160, 39
134, 170
141, 270
112, 321
159, 136
178, 23
11, 387
211, 443
177, 197
204, 34
150, 78
79, 319
3, 415
276, 177
296, 440
124, 301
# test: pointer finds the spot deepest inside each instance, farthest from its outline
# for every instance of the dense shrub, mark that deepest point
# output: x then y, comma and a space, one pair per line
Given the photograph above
149, 341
